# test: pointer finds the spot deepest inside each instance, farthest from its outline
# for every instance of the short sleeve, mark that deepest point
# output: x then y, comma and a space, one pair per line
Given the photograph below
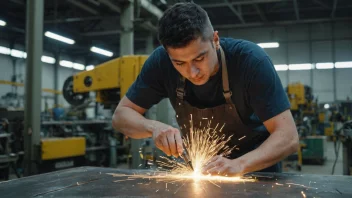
266, 94
149, 87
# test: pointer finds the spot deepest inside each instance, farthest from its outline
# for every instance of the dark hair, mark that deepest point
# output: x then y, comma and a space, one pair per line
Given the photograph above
183, 23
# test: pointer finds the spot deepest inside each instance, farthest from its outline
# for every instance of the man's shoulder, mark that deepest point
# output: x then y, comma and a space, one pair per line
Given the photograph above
243, 48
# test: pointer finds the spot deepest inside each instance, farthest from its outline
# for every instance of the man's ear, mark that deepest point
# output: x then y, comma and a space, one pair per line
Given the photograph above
216, 40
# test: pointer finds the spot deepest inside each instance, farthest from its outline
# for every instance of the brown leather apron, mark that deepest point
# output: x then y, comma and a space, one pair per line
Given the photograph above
243, 137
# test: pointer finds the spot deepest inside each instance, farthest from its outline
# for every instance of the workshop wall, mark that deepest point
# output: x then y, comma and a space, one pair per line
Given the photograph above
303, 43
308, 43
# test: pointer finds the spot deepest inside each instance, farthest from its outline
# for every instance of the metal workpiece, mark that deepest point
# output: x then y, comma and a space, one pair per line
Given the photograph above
109, 182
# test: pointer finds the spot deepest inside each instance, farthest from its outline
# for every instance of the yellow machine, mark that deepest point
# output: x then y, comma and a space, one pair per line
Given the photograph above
57, 148
110, 81
301, 98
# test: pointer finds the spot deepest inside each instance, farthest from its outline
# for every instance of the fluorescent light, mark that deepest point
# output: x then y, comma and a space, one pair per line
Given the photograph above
2, 23
343, 65
300, 66
281, 67
101, 51
5, 50
269, 45
324, 65
65, 63
78, 66
89, 67
18, 53
326, 106
59, 38
48, 59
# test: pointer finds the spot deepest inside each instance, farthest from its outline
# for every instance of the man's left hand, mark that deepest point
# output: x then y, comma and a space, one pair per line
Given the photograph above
219, 165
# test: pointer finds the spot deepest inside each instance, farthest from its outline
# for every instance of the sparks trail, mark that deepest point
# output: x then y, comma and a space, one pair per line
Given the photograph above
201, 144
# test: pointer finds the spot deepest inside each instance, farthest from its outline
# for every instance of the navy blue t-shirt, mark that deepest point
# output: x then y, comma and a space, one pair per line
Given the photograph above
256, 88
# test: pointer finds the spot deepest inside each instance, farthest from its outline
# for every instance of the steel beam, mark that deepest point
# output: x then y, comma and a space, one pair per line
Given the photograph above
79, 19
83, 6
34, 48
279, 23
111, 5
236, 12
333, 9
102, 33
243, 2
323, 5
295, 3
260, 12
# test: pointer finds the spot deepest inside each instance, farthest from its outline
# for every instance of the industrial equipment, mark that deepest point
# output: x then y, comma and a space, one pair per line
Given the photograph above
109, 80
304, 109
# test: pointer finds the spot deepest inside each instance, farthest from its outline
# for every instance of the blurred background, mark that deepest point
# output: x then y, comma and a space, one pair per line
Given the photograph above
64, 68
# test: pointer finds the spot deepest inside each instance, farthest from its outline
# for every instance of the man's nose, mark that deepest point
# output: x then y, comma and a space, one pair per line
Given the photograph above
194, 71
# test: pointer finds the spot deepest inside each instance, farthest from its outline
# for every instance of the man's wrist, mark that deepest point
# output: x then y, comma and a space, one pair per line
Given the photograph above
242, 164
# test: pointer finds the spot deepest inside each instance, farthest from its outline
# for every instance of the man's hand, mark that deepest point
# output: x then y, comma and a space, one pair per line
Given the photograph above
167, 139
219, 165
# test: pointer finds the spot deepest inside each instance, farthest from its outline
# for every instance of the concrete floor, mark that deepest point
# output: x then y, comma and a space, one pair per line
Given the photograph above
326, 168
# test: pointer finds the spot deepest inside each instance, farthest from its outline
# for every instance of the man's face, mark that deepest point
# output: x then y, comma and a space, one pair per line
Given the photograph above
197, 61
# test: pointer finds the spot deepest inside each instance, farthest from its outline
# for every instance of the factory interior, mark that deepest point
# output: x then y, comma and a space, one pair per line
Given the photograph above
66, 64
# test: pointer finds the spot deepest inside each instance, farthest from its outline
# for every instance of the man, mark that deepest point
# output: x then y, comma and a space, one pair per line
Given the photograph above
229, 81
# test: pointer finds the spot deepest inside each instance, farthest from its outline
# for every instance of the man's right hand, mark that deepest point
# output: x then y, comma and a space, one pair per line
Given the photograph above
168, 139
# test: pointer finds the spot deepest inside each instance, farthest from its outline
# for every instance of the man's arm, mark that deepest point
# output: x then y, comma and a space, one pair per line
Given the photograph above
283, 141
128, 119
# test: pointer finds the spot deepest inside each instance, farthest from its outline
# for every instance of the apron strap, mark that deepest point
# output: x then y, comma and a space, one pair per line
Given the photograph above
225, 79
180, 90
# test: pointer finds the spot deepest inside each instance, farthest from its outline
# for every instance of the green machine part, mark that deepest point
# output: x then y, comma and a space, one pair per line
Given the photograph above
314, 151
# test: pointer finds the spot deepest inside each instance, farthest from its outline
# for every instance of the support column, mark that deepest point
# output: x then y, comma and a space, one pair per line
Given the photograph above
34, 48
126, 48
126, 36
334, 58
311, 57
150, 45
287, 58
56, 77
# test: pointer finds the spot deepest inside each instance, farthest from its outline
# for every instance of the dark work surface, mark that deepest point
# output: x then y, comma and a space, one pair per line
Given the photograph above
95, 182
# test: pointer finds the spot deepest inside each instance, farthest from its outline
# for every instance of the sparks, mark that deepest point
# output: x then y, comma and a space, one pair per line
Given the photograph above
201, 145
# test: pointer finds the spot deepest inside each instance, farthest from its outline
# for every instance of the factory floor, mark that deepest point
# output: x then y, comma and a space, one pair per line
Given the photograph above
326, 168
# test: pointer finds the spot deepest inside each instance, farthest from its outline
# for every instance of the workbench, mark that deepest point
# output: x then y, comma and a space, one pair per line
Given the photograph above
101, 182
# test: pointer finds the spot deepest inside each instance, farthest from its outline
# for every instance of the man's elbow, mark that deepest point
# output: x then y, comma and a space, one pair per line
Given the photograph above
294, 144
116, 119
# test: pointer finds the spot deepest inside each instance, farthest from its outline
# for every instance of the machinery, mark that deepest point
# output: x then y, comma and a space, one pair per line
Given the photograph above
304, 109
109, 80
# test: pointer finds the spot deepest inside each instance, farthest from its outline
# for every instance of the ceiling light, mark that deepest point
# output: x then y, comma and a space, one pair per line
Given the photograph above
48, 59
2, 23
5, 50
89, 67
324, 65
101, 51
65, 63
59, 38
18, 53
300, 66
78, 66
281, 67
326, 106
343, 65
269, 45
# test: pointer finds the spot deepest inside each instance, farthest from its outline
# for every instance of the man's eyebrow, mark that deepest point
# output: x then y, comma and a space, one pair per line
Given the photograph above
199, 55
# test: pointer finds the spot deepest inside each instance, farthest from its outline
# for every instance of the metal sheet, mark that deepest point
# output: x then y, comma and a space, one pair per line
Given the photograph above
96, 182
